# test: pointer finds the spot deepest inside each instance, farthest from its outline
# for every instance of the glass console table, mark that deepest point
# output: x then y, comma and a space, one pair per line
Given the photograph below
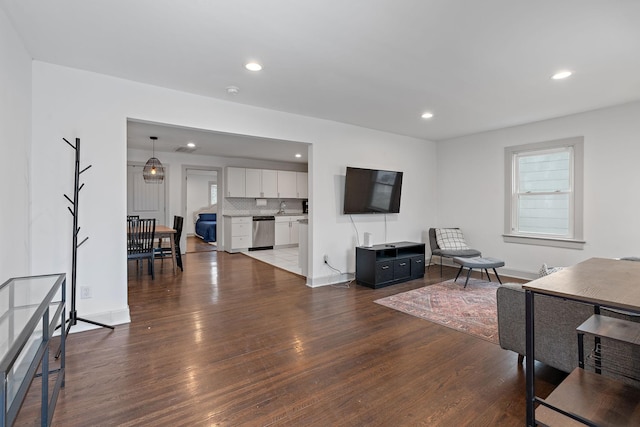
31, 308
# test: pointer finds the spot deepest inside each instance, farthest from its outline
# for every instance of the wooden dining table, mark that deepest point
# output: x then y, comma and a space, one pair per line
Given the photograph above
162, 231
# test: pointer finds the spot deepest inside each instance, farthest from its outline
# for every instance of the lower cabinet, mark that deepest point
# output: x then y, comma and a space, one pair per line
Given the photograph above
237, 233
384, 265
287, 230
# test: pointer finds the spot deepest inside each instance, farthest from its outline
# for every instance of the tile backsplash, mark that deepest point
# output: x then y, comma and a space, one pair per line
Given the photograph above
242, 206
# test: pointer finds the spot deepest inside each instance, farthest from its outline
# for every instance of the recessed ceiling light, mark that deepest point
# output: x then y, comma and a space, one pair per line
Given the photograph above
253, 66
561, 75
191, 145
427, 115
298, 155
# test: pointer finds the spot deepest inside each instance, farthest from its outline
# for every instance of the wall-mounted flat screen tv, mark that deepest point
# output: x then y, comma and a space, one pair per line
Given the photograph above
369, 191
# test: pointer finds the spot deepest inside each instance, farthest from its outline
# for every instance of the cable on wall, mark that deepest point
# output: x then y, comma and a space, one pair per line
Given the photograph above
385, 228
345, 285
355, 228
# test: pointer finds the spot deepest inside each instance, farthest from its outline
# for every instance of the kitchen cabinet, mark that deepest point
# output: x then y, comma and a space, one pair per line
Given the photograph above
287, 186
261, 183
287, 230
302, 185
270, 184
237, 233
236, 182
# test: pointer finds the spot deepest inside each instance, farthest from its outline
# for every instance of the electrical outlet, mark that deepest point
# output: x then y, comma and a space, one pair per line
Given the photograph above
326, 259
85, 292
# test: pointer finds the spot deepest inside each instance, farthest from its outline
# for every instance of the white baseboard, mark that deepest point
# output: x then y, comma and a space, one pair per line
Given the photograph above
111, 318
333, 279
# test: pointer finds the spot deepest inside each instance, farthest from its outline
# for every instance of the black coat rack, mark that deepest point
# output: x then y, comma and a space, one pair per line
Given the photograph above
73, 314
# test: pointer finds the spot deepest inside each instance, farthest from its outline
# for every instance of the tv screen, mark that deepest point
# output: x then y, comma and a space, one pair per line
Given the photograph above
369, 191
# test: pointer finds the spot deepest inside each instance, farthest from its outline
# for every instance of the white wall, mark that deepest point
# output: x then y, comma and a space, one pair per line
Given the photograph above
73, 103
471, 187
15, 136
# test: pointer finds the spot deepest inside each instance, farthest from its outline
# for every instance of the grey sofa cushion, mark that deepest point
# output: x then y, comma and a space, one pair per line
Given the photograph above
556, 321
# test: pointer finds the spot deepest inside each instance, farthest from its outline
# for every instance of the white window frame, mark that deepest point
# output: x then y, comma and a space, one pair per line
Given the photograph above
211, 200
575, 238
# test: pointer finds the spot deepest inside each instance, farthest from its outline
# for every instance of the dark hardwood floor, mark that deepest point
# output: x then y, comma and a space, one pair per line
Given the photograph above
233, 341
196, 244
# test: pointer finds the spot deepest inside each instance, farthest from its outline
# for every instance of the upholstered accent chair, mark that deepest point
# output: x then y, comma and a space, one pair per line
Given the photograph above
449, 243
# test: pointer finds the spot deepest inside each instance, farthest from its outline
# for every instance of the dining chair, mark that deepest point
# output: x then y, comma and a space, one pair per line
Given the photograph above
140, 238
163, 251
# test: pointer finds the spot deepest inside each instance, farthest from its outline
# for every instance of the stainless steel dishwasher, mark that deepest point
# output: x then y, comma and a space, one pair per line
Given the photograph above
264, 232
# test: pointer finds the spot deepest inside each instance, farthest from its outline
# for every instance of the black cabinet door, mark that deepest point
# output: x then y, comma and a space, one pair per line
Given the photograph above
417, 266
384, 271
402, 268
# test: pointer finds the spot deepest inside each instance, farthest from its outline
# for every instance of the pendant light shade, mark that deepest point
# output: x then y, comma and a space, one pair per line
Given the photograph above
153, 172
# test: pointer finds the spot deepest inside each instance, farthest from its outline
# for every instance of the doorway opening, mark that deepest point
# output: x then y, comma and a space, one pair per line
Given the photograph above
202, 185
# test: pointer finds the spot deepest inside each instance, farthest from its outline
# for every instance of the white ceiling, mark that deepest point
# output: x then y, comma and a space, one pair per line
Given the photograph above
172, 138
477, 65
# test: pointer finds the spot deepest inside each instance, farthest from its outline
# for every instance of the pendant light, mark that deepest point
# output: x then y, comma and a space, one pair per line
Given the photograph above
153, 172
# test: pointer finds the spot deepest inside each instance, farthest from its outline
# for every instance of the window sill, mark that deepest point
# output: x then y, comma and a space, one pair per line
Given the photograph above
544, 241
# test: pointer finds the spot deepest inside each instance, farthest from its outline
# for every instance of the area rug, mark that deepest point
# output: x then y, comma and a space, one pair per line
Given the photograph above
471, 309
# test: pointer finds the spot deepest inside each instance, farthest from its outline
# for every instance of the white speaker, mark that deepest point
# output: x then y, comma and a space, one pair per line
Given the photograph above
368, 240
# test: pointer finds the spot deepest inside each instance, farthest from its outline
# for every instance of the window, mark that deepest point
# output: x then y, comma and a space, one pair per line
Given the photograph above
543, 198
213, 193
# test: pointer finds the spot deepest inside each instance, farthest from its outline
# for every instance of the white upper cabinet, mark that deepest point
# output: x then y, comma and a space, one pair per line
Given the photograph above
253, 184
287, 187
302, 185
236, 180
271, 184
261, 183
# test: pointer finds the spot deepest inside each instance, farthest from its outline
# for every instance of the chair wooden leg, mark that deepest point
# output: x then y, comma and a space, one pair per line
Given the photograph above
151, 268
179, 257
520, 359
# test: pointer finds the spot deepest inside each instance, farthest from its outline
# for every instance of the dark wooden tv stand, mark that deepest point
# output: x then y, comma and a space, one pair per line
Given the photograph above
383, 265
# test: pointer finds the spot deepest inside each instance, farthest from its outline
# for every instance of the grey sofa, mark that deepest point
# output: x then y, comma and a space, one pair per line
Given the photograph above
556, 340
